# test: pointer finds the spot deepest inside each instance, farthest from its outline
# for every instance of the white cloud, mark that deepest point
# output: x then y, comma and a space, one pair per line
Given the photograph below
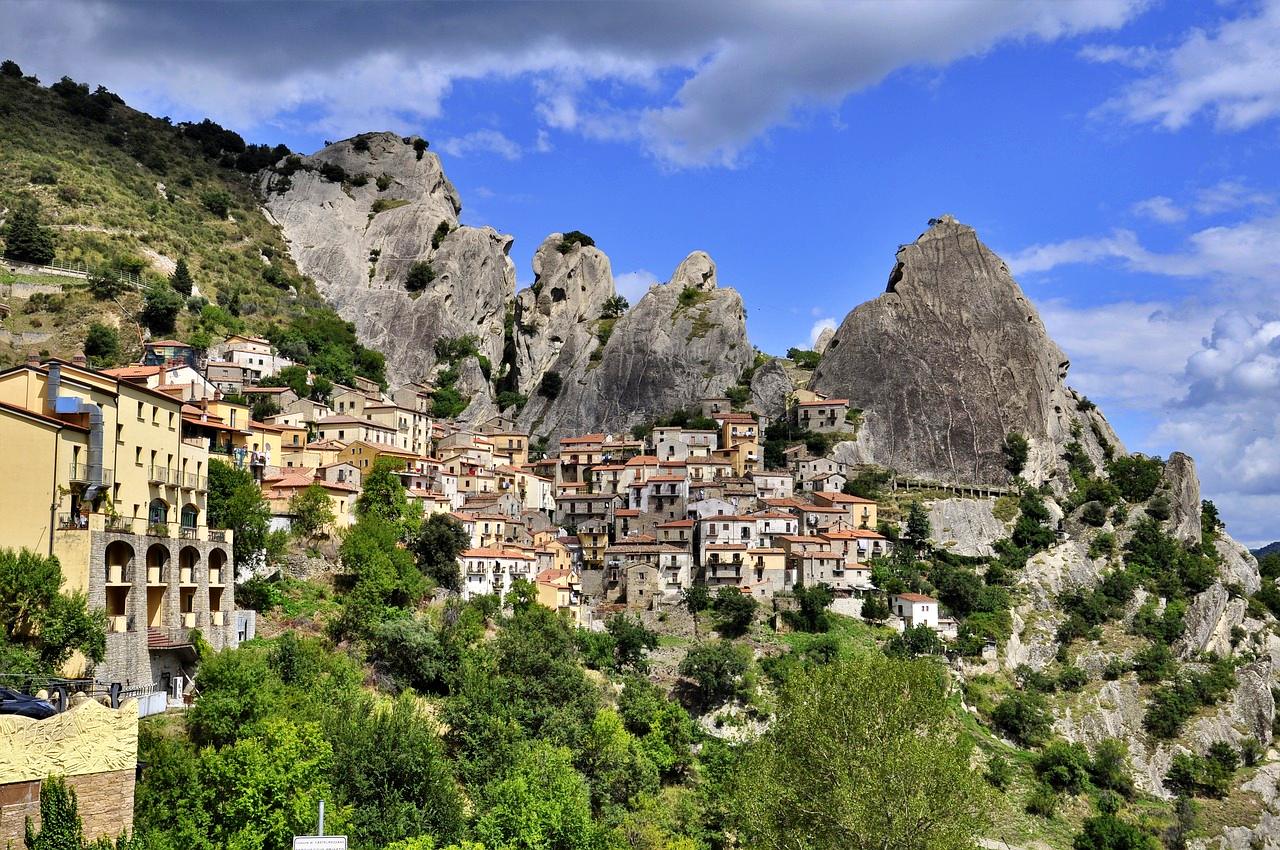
1244, 250
817, 329
633, 285
1230, 195
481, 141
1160, 208
695, 88
1228, 73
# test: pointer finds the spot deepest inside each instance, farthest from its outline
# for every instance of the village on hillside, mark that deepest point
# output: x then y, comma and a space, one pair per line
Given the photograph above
606, 523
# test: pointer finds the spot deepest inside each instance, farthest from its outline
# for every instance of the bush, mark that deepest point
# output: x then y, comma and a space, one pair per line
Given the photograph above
1042, 801
217, 202
550, 385
1024, 717
1094, 513
420, 147
734, 611
572, 239
1072, 678
333, 172
1064, 766
719, 669
513, 399
998, 773
804, 358
441, 231
1015, 450
1136, 476
1102, 546
1110, 769
1203, 776
1154, 664
160, 309
811, 616
102, 345
420, 276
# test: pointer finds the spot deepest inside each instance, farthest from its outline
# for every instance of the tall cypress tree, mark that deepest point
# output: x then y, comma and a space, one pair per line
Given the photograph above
181, 278
25, 239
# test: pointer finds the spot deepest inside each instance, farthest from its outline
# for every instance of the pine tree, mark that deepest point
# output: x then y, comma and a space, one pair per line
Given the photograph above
25, 239
181, 278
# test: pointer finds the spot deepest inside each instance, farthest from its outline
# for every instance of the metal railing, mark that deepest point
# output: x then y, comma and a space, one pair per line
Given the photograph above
158, 474
80, 474
186, 533
191, 481
217, 535
121, 524
72, 522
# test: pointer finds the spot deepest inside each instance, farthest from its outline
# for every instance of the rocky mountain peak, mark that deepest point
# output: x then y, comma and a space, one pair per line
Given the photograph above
949, 361
696, 271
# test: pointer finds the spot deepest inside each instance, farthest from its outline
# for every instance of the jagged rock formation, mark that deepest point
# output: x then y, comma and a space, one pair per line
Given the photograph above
681, 342
558, 319
1182, 486
770, 386
359, 241
824, 340
948, 361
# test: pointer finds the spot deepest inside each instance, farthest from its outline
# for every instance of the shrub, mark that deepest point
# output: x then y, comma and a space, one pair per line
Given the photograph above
102, 345
1110, 769
998, 773
217, 202
420, 276
1072, 678
572, 239
1136, 476
550, 385
441, 231
511, 398
719, 669
1159, 508
160, 309
1042, 801
734, 611
1064, 766
180, 280
1015, 450
614, 307
1154, 664
1102, 546
1094, 513
383, 182
1024, 717
420, 147
1203, 776
803, 358
875, 608
333, 172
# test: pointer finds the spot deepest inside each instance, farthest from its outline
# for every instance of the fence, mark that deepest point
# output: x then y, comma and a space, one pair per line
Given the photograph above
69, 268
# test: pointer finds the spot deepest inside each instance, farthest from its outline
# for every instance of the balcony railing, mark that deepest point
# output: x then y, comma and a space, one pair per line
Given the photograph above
189, 620
218, 618
115, 574
158, 529
118, 624
73, 522
122, 524
79, 474
186, 533
158, 474
217, 535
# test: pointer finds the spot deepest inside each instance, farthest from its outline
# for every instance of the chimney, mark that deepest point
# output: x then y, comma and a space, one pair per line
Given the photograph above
81, 361
33, 359
164, 370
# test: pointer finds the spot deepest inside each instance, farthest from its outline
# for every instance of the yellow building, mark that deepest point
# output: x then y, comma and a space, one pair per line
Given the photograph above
111, 478
342, 496
363, 455
560, 590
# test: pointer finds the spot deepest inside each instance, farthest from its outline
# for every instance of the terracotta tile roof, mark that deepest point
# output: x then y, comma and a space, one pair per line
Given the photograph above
914, 597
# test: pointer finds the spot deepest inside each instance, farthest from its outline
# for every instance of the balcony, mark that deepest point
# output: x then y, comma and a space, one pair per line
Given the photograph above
157, 529
155, 575
115, 574
217, 535
196, 442
187, 533
79, 474
120, 524
73, 522
158, 474
191, 481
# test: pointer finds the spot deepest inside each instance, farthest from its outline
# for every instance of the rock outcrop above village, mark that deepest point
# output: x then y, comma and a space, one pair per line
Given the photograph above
683, 341
949, 361
359, 214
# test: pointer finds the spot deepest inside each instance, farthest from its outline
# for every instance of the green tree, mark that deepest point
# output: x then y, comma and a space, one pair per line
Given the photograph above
1015, 450
180, 280
60, 827
102, 345
916, 640
160, 309
40, 627
235, 502
390, 770
540, 803
720, 670
382, 492
25, 238
549, 386
811, 615
734, 611
420, 276
1024, 717
614, 307
632, 642
1032, 532
862, 754
1106, 831
312, 512
382, 573
439, 543
105, 284
918, 528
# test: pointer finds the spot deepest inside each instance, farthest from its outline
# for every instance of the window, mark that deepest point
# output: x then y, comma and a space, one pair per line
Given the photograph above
137, 455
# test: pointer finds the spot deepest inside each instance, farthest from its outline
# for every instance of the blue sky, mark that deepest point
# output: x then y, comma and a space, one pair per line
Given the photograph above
1121, 154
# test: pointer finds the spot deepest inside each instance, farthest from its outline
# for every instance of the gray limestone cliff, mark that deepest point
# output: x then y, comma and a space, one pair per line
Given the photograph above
359, 236
559, 319
951, 359
682, 341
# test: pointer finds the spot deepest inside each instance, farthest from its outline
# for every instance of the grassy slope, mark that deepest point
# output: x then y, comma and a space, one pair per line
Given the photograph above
107, 205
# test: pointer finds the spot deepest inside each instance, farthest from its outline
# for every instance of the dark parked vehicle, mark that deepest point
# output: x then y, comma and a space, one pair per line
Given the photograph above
23, 705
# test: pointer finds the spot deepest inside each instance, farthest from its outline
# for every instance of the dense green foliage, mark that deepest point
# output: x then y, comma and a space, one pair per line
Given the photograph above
235, 502
26, 239
40, 627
